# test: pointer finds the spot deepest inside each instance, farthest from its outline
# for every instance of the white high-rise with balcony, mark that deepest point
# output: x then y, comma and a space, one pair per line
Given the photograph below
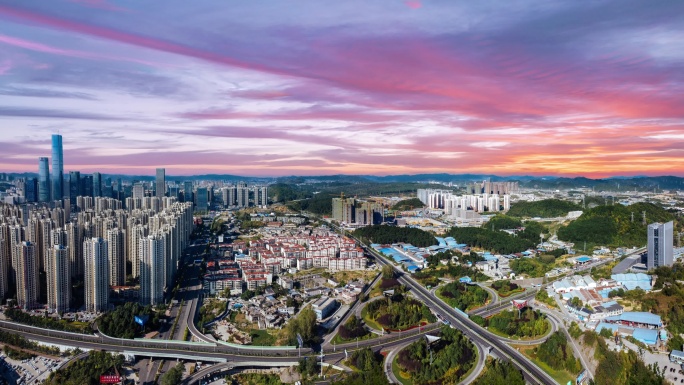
96, 278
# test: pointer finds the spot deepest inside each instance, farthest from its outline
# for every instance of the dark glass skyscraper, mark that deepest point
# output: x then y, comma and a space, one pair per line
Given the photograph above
74, 186
57, 168
43, 180
97, 184
161, 183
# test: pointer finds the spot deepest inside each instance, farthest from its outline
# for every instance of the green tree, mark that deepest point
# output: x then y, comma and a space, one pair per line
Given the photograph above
499, 372
305, 325
174, 375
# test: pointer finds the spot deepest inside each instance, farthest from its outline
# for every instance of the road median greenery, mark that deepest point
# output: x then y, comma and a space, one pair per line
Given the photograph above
497, 372
506, 288
529, 324
445, 361
463, 296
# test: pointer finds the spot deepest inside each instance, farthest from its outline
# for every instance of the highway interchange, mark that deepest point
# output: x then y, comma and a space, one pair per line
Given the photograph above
233, 356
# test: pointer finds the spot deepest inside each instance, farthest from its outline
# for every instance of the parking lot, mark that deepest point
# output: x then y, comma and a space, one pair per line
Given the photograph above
27, 372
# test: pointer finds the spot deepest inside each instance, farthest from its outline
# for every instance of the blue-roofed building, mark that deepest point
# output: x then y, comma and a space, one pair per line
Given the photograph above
647, 336
632, 281
582, 260
465, 279
637, 319
412, 268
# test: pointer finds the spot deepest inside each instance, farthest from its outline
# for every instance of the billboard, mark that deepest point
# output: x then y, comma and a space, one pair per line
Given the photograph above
110, 379
142, 320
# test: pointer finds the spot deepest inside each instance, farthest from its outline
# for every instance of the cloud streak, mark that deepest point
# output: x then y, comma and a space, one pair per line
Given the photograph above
564, 88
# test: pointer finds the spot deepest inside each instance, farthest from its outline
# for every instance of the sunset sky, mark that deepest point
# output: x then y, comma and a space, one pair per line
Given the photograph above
297, 87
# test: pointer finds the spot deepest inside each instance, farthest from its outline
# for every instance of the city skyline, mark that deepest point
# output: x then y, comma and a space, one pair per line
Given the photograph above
394, 87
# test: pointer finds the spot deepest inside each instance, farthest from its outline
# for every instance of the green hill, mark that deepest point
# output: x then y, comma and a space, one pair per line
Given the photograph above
547, 208
613, 225
408, 204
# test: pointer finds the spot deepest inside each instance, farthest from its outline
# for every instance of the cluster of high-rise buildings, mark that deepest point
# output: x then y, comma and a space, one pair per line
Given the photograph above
75, 233
352, 212
491, 188
242, 196
54, 185
463, 206
43, 250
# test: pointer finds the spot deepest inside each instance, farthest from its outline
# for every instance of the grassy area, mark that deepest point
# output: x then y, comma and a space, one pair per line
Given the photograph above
473, 306
370, 322
339, 340
504, 335
403, 377
510, 293
561, 376
349, 276
262, 338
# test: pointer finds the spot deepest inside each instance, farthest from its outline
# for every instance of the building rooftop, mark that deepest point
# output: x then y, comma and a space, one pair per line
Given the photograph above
637, 317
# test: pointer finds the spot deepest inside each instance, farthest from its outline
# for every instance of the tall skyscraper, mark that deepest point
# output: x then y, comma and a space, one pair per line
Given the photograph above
344, 210
74, 186
31, 190
138, 191
152, 270
57, 168
26, 275
43, 180
5, 260
96, 278
161, 183
187, 191
660, 245
202, 202
242, 196
97, 184
58, 279
117, 256
261, 196
86, 188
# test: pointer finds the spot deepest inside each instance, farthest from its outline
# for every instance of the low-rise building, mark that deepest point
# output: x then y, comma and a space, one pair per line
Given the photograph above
323, 307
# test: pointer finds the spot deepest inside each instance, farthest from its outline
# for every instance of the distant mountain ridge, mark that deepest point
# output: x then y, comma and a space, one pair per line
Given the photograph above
614, 183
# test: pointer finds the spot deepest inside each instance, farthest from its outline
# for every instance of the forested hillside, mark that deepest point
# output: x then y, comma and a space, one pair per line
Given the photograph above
408, 204
389, 234
547, 208
613, 225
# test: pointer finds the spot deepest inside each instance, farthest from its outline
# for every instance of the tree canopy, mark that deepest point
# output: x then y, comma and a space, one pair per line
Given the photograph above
613, 225
86, 371
463, 296
408, 204
305, 325
499, 372
547, 208
496, 241
452, 356
120, 323
557, 353
384, 234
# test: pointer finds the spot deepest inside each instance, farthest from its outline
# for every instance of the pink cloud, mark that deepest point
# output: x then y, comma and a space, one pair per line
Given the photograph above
39, 47
5, 66
413, 4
